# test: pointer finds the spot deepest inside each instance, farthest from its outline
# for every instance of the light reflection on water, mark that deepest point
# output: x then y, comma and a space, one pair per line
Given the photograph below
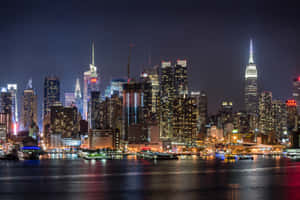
269, 178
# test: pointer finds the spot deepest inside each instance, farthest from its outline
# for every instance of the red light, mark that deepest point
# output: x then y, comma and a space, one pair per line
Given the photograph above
93, 80
291, 103
298, 78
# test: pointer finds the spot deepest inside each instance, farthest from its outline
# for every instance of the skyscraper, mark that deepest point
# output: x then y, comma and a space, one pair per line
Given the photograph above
296, 91
78, 96
201, 102
132, 105
94, 110
167, 94
279, 114
29, 107
13, 88
91, 83
6, 108
265, 113
250, 93
180, 77
51, 93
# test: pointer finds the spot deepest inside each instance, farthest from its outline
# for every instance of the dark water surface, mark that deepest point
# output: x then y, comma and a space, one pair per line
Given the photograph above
269, 178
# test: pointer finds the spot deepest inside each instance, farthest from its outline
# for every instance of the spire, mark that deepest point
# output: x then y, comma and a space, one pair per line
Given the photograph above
77, 89
93, 53
251, 59
29, 84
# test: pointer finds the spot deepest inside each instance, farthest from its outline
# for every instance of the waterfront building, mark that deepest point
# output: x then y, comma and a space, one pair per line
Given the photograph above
91, 83
241, 122
29, 107
5, 128
184, 119
251, 91
265, 113
51, 93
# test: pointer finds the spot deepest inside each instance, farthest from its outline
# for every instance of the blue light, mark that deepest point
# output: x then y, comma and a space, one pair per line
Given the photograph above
31, 148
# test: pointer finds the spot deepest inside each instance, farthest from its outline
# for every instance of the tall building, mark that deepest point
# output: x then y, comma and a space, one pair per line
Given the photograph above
292, 115
201, 102
226, 113
167, 95
6, 109
279, 112
180, 77
13, 89
94, 110
132, 106
250, 93
184, 119
151, 77
91, 83
296, 91
265, 113
51, 93
78, 96
29, 107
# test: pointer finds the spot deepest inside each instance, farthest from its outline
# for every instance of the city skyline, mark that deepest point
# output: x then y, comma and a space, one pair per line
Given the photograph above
30, 53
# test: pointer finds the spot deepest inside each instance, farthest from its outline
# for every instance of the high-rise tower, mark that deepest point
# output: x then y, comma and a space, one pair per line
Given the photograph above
250, 93
51, 93
12, 88
29, 107
78, 96
91, 83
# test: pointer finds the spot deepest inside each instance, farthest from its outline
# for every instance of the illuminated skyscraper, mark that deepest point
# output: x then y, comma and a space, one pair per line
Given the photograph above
6, 106
296, 91
251, 96
94, 110
91, 83
180, 77
51, 93
279, 114
151, 76
115, 87
265, 113
167, 94
201, 102
29, 107
78, 96
13, 89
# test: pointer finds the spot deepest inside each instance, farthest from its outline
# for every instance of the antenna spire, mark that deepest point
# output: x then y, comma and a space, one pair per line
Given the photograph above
93, 53
251, 59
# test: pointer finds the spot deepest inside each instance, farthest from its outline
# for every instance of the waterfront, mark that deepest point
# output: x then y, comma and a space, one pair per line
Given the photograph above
263, 178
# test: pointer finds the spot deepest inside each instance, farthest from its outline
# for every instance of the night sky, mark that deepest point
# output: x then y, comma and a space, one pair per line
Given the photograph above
39, 38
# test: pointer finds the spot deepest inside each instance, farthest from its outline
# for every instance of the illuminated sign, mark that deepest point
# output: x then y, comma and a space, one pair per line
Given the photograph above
291, 103
93, 80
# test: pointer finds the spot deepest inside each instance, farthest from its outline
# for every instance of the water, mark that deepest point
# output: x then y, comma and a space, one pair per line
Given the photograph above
269, 178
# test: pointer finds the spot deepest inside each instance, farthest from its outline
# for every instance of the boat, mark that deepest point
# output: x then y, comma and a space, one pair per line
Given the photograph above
95, 156
245, 157
157, 155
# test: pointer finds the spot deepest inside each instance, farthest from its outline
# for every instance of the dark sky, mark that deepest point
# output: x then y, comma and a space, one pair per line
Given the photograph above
39, 38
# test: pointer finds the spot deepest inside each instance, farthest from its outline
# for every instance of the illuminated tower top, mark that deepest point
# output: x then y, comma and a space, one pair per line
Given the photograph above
251, 71
77, 89
93, 68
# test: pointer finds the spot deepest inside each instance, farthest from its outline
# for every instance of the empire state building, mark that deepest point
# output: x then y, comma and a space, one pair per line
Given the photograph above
251, 96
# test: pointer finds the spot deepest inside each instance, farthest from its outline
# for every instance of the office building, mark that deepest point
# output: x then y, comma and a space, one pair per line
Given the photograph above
51, 93
265, 113
250, 93
29, 108
91, 83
